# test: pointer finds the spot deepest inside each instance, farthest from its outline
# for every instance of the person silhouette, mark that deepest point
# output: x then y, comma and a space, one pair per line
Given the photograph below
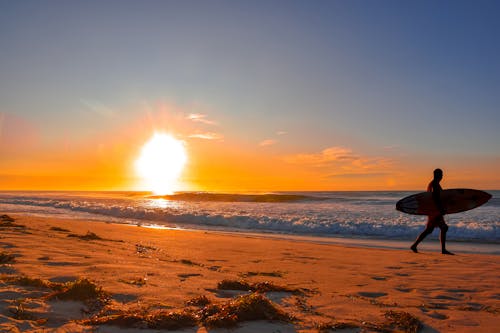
435, 220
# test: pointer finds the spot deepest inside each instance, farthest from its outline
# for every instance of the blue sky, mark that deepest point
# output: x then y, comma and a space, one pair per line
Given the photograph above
421, 77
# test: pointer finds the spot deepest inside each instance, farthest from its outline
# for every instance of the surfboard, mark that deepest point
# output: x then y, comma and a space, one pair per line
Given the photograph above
453, 200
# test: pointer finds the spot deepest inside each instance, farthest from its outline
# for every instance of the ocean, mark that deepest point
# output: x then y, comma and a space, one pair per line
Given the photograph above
364, 215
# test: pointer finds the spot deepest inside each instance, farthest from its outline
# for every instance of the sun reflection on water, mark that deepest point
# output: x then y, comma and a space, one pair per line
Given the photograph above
162, 203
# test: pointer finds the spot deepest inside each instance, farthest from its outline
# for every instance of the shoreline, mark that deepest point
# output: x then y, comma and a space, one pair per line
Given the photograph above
429, 245
146, 269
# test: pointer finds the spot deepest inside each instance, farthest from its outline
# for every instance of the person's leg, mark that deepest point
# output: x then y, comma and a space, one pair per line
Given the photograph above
428, 230
442, 237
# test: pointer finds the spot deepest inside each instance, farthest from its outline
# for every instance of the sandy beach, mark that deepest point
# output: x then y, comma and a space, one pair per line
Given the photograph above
141, 274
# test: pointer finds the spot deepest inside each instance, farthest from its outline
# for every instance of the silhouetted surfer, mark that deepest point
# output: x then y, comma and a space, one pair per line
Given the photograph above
435, 220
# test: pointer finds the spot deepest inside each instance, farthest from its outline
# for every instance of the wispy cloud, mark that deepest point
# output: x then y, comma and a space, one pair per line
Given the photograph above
281, 133
98, 108
326, 156
207, 136
343, 162
201, 118
267, 142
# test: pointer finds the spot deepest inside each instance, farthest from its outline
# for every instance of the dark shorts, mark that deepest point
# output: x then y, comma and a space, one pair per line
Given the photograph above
436, 221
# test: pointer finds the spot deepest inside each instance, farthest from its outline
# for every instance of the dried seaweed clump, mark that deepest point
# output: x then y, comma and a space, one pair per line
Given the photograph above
243, 308
7, 221
262, 287
6, 218
27, 281
326, 327
167, 320
403, 321
88, 236
234, 285
59, 229
7, 258
172, 320
198, 301
81, 290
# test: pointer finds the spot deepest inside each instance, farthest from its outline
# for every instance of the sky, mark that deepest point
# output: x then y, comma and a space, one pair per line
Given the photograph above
265, 95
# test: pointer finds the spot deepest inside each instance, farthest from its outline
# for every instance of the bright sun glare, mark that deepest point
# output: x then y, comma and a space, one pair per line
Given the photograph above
161, 162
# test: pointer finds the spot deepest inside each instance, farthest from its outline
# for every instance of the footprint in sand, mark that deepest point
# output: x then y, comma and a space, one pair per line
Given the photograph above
437, 315
405, 290
371, 294
379, 278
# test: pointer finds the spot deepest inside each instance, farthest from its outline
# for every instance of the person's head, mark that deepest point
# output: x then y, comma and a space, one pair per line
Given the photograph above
438, 174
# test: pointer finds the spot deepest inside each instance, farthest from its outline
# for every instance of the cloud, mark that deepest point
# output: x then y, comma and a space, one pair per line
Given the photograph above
207, 136
326, 156
267, 142
357, 175
98, 108
281, 133
344, 162
201, 118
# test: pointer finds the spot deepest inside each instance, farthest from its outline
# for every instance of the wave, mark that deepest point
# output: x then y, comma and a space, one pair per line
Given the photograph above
231, 197
302, 220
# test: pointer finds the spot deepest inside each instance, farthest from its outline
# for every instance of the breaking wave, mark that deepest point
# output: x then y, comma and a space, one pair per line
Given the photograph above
338, 214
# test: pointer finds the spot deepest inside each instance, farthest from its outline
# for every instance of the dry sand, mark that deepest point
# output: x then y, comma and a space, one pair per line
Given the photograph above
145, 269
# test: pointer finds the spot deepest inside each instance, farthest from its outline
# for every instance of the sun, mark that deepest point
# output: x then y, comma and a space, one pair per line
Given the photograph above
161, 162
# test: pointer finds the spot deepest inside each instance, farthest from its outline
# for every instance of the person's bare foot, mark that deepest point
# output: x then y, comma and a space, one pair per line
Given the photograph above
447, 252
414, 248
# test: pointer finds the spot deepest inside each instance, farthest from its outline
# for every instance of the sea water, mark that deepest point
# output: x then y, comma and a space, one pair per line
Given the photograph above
348, 215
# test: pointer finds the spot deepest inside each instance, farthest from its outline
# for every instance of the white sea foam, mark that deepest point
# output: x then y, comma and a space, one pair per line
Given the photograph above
344, 214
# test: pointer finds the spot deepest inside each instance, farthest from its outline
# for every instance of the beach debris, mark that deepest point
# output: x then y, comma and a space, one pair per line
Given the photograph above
268, 274
59, 229
139, 248
402, 321
198, 301
19, 312
188, 262
140, 281
6, 218
262, 287
339, 325
162, 319
88, 236
227, 314
8, 222
27, 281
249, 307
85, 291
92, 236
184, 276
7, 258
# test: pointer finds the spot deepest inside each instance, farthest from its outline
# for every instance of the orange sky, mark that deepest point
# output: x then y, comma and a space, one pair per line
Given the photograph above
307, 95
216, 162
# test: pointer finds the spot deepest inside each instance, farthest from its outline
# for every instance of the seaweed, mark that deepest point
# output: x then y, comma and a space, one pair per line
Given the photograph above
243, 308
59, 229
198, 301
333, 326
168, 320
92, 236
262, 287
403, 321
85, 291
7, 258
268, 274
27, 281
88, 236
